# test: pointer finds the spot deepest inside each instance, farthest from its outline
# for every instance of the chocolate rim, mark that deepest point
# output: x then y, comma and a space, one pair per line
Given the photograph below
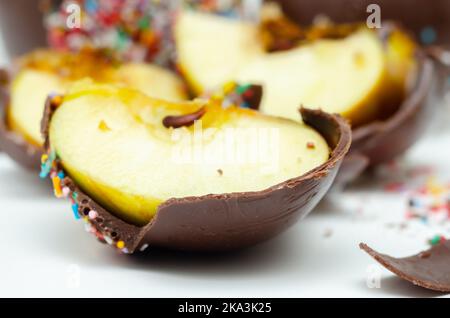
217, 222
12, 143
375, 141
429, 269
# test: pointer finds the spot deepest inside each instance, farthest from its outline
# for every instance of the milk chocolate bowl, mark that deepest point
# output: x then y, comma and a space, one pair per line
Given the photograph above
217, 222
382, 141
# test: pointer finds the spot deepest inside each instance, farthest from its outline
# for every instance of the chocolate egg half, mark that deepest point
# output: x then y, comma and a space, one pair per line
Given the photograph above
218, 222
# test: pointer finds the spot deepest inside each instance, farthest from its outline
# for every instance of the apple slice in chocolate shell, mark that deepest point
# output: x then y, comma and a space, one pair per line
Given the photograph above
44, 71
429, 269
172, 207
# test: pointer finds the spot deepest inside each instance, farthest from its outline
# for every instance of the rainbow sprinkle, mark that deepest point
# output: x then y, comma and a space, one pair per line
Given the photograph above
49, 168
139, 30
231, 94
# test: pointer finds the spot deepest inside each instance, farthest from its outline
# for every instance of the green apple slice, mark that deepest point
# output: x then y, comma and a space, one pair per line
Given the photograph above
115, 143
44, 72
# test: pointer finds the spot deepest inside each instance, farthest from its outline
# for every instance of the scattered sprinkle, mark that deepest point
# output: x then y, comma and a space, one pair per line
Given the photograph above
428, 35
310, 145
143, 247
437, 239
92, 214
75, 211
120, 244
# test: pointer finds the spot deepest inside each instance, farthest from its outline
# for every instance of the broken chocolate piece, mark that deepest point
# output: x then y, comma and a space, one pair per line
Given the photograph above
429, 269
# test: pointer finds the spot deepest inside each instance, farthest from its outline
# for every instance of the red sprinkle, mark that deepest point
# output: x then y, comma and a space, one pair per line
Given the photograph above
310, 145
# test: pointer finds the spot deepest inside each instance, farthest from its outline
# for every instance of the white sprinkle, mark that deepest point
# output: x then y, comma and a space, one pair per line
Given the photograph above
88, 227
143, 247
92, 214
65, 192
108, 240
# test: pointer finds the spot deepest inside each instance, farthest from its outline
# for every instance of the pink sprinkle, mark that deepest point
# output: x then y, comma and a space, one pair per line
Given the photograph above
65, 191
92, 214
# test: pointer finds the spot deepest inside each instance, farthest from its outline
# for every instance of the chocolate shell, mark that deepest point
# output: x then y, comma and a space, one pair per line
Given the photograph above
382, 141
216, 222
429, 269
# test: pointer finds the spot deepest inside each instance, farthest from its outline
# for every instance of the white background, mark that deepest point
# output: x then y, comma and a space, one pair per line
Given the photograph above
45, 252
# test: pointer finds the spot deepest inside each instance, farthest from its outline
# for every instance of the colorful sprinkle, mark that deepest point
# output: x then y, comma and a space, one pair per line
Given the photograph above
65, 192
108, 239
143, 247
428, 35
57, 187
437, 239
75, 211
92, 214
120, 244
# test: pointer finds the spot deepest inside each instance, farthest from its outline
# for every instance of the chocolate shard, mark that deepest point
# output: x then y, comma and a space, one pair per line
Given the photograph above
429, 269
183, 120
217, 222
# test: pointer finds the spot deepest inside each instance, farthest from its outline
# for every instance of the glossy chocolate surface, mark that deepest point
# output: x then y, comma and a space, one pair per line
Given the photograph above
217, 222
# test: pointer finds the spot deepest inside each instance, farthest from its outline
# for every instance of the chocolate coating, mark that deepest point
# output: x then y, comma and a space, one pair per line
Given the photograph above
382, 141
429, 269
414, 14
217, 222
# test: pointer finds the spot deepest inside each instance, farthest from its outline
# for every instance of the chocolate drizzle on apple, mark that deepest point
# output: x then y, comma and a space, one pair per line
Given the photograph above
186, 120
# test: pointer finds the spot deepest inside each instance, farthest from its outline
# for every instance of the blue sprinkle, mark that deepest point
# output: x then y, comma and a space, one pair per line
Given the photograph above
61, 175
45, 170
91, 6
245, 105
428, 35
43, 174
75, 211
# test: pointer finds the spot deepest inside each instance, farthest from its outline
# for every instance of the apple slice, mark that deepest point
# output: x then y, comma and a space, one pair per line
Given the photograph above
131, 152
44, 71
211, 50
350, 76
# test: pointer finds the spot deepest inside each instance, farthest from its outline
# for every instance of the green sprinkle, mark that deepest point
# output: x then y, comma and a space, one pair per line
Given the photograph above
242, 88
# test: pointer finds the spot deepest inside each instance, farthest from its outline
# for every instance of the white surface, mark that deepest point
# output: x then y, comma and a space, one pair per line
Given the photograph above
45, 252
44, 248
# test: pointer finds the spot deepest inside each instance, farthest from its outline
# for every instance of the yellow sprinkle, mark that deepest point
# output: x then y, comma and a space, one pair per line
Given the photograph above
57, 187
120, 244
228, 87
44, 158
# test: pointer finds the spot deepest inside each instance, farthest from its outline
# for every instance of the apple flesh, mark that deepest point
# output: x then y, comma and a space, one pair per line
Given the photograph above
351, 76
120, 148
43, 72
